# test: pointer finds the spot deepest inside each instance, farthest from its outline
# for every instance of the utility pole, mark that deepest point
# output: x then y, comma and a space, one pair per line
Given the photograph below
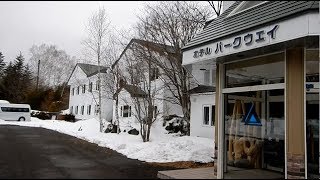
38, 74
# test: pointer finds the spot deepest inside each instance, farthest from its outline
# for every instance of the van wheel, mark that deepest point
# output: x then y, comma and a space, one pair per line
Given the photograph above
21, 119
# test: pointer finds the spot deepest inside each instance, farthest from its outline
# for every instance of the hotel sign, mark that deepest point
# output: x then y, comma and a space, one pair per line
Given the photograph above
281, 31
238, 41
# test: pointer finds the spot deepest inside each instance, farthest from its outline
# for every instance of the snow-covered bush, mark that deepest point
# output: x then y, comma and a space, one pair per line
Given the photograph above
175, 124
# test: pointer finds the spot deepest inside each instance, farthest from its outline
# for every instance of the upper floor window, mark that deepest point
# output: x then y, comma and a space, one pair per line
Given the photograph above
90, 87
76, 110
155, 112
78, 90
73, 91
97, 86
97, 109
84, 89
154, 74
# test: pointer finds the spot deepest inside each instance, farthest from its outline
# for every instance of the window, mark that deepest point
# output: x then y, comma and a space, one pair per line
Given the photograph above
82, 110
76, 110
84, 89
78, 90
71, 109
155, 112
154, 74
90, 87
97, 86
89, 109
72, 91
208, 115
96, 109
213, 115
126, 111
13, 109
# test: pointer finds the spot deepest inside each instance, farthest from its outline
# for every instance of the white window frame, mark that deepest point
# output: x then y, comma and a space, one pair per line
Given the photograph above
96, 109
84, 89
223, 91
90, 86
122, 111
210, 115
89, 109
82, 110
71, 110
77, 108
97, 85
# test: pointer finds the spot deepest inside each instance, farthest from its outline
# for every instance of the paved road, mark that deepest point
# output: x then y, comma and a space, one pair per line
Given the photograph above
27, 152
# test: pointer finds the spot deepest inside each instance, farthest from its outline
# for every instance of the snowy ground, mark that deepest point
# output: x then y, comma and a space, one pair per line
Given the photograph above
161, 148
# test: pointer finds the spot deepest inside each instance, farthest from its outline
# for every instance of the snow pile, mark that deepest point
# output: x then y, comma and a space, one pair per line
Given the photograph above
66, 111
161, 148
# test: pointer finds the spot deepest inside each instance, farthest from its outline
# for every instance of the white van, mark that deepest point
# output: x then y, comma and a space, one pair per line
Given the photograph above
15, 112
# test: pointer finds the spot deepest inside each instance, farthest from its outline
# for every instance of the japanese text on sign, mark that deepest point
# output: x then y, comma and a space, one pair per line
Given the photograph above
237, 42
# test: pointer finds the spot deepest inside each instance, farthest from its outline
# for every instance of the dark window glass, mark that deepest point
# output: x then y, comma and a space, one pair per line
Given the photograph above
213, 109
206, 115
126, 111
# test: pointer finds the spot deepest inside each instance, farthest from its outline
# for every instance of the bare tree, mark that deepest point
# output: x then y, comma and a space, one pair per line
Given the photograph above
55, 64
137, 79
216, 6
173, 24
96, 43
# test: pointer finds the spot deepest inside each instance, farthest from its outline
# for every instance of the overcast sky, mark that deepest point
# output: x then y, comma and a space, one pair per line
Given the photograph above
61, 23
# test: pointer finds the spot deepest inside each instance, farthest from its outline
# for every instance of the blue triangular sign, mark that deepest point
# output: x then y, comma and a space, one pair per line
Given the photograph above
252, 118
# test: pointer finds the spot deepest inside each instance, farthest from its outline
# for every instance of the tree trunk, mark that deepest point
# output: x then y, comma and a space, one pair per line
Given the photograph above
117, 114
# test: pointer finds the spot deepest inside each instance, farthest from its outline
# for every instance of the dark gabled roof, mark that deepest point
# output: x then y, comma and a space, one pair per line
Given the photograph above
134, 91
89, 69
202, 89
160, 48
267, 12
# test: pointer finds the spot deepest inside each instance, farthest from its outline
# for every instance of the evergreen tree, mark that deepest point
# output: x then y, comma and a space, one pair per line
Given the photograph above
17, 81
2, 65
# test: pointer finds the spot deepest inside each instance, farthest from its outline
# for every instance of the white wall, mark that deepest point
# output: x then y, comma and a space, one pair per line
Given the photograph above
196, 117
163, 107
79, 78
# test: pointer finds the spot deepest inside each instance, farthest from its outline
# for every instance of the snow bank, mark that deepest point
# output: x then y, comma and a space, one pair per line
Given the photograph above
161, 148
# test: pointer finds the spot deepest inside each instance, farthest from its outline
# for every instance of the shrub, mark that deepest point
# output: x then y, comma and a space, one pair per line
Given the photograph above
41, 115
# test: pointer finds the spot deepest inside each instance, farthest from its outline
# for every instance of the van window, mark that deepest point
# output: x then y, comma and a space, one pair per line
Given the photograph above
13, 109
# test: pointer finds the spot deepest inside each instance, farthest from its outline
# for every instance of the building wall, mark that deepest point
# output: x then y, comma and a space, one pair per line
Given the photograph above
197, 128
204, 73
164, 108
79, 78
